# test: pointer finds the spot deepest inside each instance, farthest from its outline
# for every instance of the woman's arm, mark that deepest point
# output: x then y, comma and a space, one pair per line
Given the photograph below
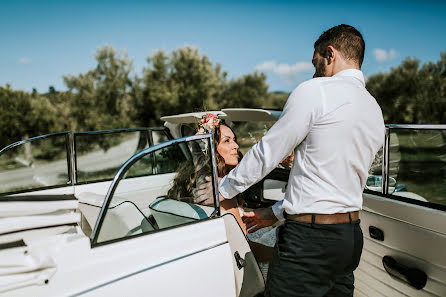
231, 206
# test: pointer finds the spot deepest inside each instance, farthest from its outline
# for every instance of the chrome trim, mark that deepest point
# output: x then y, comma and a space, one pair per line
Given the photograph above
69, 153
122, 170
385, 165
215, 176
110, 131
149, 268
74, 167
149, 138
150, 141
12, 145
415, 127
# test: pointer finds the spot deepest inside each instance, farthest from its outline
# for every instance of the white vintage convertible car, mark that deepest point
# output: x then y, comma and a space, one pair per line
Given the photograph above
89, 214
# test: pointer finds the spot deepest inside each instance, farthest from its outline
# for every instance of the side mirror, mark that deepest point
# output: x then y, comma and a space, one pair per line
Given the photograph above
374, 183
274, 189
392, 185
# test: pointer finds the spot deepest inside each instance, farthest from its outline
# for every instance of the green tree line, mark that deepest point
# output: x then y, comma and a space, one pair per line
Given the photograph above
112, 96
412, 93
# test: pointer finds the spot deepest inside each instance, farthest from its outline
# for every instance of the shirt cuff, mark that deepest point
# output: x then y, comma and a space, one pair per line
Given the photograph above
225, 189
278, 210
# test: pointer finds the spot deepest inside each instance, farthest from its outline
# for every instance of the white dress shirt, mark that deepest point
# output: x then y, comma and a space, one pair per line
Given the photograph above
335, 128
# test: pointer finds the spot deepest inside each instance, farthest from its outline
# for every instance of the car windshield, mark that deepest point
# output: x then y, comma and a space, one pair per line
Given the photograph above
248, 134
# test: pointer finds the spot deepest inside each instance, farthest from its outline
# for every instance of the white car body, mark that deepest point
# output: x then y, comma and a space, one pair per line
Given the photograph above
89, 244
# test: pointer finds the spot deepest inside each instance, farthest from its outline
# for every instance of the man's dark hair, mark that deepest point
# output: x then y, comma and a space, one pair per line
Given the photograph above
346, 39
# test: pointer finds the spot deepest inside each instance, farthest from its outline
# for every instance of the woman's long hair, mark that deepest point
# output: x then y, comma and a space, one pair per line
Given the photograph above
191, 174
222, 168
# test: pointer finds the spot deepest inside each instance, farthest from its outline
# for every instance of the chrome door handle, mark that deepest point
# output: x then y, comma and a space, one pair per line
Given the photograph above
413, 276
376, 233
239, 260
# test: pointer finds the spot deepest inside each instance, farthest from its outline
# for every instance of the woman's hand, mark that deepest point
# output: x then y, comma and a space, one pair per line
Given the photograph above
259, 218
204, 194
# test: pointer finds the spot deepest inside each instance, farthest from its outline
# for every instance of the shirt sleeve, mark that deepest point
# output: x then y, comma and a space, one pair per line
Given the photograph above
278, 210
285, 135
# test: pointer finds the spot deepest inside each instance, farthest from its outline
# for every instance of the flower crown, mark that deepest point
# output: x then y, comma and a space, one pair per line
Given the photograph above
208, 123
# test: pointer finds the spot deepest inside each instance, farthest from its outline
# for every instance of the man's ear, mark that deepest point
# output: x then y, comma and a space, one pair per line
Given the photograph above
331, 54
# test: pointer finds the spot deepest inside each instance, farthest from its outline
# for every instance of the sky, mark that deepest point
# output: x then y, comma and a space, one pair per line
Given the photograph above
41, 41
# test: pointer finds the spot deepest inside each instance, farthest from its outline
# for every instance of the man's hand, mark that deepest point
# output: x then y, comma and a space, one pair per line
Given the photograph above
204, 195
259, 218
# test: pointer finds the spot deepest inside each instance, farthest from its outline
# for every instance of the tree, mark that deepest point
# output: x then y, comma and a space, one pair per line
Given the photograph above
432, 91
186, 81
23, 115
100, 98
277, 100
412, 94
52, 90
250, 91
181, 82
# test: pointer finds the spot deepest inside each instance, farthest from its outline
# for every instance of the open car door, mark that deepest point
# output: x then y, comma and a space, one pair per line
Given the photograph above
404, 216
136, 207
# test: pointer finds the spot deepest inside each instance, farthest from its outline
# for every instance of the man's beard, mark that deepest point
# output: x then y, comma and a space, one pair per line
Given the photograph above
320, 69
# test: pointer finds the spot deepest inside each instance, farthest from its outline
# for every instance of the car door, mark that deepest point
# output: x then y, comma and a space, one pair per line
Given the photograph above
404, 216
97, 157
209, 244
160, 245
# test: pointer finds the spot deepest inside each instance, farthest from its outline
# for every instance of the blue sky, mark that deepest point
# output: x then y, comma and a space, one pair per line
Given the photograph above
43, 40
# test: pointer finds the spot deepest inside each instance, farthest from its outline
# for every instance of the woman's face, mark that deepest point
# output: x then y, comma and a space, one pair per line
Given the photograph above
227, 147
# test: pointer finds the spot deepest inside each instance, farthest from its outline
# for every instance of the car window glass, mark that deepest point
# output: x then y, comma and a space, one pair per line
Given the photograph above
249, 133
374, 180
40, 163
188, 129
99, 155
143, 167
417, 163
168, 159
159, 137
150, 203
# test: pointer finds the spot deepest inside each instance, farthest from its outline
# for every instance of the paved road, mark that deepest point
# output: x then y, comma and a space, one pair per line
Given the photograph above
56, 173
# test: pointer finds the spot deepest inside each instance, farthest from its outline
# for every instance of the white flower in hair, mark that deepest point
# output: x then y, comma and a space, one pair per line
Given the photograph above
208, 123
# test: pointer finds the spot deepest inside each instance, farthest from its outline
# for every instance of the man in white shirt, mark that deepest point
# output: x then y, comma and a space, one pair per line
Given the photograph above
335, 128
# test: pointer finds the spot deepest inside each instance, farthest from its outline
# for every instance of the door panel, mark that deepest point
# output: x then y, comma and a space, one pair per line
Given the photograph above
200, 275
248, 278
423, 217
413, 235
191, 260
404, 207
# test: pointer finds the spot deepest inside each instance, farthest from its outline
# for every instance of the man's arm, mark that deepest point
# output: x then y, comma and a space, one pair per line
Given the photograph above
262, 217
259, 218
285, 135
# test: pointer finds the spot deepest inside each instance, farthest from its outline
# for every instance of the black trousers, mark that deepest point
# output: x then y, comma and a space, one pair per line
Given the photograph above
314, 260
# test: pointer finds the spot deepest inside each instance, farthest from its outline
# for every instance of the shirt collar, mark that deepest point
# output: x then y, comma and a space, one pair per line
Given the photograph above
353, 73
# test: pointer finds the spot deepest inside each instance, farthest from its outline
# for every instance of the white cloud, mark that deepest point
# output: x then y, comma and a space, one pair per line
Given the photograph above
24, 61
286, 72
382, 55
